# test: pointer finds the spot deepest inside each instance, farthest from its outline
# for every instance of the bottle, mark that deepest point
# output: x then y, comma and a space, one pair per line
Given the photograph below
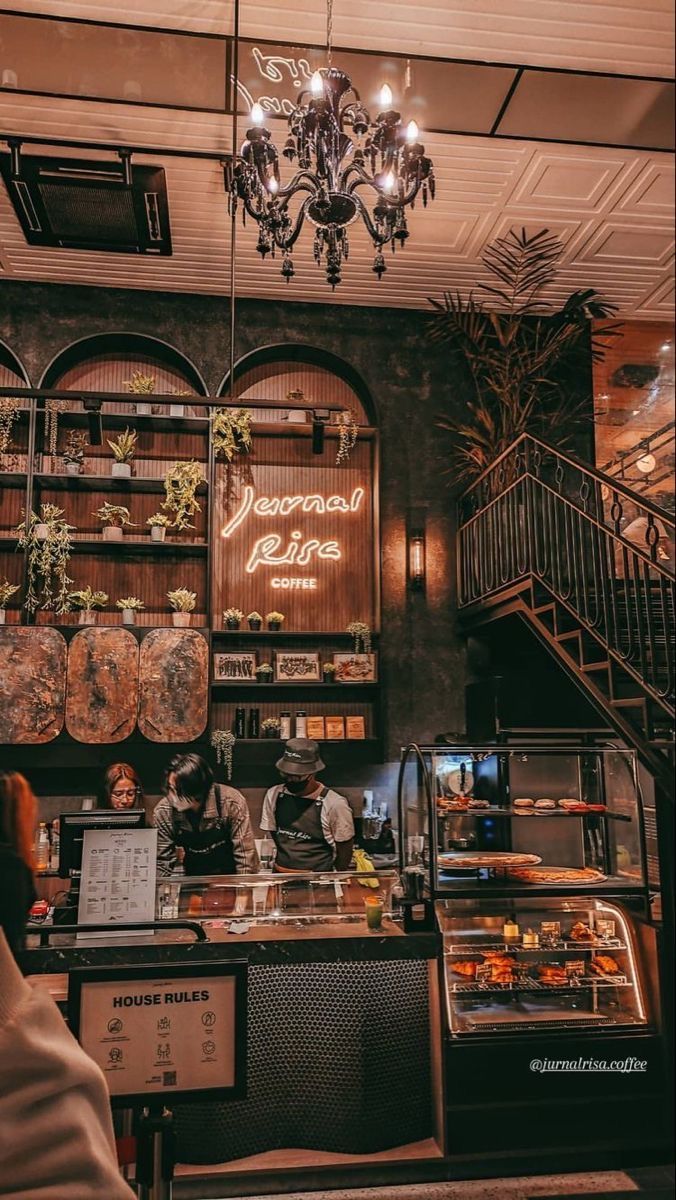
301, 724
42, 848
240, 722
254, 722
56, 843
285, 726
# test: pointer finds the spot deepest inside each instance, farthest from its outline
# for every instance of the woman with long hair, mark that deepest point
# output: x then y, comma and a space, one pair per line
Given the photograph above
121, 788
18, 814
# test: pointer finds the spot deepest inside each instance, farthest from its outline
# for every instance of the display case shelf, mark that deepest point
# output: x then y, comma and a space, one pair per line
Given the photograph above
550, 948
546, 814
536, 985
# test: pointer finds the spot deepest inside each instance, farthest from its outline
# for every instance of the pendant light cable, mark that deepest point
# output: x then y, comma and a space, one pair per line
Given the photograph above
234, 94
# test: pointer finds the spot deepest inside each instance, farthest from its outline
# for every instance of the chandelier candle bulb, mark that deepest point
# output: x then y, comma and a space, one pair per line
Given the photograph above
257, 114
386, 96
317, 84
412, 131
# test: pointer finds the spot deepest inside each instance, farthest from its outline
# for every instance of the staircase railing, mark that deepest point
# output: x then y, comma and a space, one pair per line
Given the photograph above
603, 551
629, 465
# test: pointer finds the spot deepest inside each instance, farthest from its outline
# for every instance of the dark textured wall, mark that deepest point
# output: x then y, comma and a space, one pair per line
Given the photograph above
422, 657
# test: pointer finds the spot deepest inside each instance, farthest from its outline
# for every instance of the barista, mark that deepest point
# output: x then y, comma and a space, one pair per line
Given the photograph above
311, 825
204, 825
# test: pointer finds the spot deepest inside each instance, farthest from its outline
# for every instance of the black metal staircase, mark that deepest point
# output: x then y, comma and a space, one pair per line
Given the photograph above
588, 564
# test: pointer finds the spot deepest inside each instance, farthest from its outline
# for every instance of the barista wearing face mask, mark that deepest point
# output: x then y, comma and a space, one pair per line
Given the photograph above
311, 825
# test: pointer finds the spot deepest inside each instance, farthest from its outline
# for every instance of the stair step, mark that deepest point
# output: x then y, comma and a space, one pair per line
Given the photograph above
630, 702
596, 666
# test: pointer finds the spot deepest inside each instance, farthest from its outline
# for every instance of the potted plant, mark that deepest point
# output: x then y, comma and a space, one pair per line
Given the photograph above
232, 618
7, 590
274, 620
124, 449
361, 634
113, 517
264, 673
231, 432
74, 452
180, 484
10, 407
158, 526
141, 385
270, 727
177, 410
129, 605
87, 601
46, 539
255, 621
183, 603
223, 742
328, 671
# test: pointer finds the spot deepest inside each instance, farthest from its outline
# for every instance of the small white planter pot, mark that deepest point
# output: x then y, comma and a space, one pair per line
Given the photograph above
177, 410
41, 531
158, 533
72, 468
128, 616
87, 618
296, 416
121, 470
3, 614
113, 533
143, 410
180, 619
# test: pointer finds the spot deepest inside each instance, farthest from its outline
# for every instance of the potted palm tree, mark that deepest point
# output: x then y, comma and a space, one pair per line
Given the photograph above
87, 601
183, 603
123, 448
129, 606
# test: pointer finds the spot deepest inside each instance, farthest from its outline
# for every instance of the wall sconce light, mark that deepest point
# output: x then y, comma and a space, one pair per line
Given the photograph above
416, 551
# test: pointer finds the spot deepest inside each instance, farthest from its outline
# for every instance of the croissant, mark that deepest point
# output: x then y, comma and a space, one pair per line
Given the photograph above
603, 964
465, 968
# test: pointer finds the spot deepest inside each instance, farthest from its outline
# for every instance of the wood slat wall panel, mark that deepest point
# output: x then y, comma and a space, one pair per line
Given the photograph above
12, 501
321, 388
80, 509
345, 590
11, 568
110, 373
147, 578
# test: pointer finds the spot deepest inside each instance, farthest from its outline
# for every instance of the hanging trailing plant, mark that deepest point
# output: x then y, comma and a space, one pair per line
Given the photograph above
180, 484
361, 634
348, 431
47, 543
231, 432
10, 407
52, 410
223, 742
521, 357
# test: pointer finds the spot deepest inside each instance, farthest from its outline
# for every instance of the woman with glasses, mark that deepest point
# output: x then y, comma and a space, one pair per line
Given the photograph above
121, 788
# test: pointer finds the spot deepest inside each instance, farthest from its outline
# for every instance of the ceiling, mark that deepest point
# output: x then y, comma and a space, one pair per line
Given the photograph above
612, 207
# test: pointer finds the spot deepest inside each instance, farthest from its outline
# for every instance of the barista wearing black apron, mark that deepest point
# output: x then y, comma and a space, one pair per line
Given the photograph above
202, 824
311, 825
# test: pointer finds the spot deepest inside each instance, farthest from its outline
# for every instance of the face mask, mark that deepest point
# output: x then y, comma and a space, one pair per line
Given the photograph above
294, 783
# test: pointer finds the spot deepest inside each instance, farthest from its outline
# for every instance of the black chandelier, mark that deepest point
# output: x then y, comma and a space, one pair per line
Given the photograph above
335, 168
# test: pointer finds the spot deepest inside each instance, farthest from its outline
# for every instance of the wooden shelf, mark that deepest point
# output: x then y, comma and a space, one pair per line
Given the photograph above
13, 479
157, 424
103, 483
334, 689
128, 547
288, 635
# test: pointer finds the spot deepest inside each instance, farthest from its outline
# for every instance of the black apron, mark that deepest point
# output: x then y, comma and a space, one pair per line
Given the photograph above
299, 837
208, 851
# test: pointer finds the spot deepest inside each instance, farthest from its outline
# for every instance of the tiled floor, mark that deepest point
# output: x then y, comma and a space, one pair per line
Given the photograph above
650, 1183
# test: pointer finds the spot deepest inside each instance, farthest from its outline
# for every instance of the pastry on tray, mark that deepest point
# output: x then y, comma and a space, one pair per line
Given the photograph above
468, 969
553, 974
581, 933
549, 875
544, 805
603, 964
500, 973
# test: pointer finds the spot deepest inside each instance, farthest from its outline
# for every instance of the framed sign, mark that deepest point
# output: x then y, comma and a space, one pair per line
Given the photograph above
235, 666
354, 668
175, 1030
297, 666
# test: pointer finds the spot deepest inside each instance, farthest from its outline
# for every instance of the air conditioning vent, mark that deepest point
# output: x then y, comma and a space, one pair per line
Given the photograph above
85, 205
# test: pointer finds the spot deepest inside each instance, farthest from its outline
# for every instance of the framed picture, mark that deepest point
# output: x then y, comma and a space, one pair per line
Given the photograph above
297, 666
354, 668
237, 666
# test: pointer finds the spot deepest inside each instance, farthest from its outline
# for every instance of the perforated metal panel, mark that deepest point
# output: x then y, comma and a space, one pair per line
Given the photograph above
339, 1060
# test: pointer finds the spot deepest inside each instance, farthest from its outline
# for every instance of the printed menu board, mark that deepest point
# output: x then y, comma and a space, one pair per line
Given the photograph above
118, 876
163, 1030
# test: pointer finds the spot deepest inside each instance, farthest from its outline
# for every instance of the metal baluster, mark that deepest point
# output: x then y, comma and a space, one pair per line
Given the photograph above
652, 678
668, 626
627, 654
634, 592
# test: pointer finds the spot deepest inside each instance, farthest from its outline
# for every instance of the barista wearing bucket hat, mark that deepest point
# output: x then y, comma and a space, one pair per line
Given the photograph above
311, 825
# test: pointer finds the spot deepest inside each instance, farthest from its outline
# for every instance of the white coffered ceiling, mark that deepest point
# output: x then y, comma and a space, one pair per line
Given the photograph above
613, 208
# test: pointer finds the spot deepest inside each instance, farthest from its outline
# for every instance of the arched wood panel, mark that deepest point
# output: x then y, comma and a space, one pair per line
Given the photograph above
102, 691
173, 685
32, 684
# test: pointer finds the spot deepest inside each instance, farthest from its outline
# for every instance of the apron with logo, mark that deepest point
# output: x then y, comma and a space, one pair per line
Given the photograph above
299, 836
208, 851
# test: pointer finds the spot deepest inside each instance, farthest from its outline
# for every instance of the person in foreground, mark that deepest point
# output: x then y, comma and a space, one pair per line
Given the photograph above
311, 825
18, 818
202, 824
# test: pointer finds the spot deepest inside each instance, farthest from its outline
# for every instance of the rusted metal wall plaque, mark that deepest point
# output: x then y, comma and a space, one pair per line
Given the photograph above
173, 685
32, 684
102, 696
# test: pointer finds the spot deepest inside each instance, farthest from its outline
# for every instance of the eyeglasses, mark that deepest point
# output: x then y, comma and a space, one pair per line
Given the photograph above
127, 793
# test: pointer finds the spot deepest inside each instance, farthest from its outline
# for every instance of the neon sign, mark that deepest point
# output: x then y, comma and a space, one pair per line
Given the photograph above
294, 549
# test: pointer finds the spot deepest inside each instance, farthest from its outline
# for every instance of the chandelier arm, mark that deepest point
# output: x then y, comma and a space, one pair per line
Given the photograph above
379, 239
286, 243
294, 184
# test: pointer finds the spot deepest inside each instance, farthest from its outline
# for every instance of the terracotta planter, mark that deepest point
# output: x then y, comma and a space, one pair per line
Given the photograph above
87, 618
158, 533
112, 533
121, 470
181, 619
143, 409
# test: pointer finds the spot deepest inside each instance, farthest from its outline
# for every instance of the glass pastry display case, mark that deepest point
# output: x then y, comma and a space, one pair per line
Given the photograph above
542, 964
481, 818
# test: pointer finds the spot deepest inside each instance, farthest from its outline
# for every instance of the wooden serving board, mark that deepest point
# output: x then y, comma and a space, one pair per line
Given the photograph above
173, 685
102, 696
32, 683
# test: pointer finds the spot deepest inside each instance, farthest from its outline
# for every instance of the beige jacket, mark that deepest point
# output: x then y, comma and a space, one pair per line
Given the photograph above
56, 1132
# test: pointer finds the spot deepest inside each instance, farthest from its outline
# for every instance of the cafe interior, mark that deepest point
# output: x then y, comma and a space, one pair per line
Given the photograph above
337, 598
